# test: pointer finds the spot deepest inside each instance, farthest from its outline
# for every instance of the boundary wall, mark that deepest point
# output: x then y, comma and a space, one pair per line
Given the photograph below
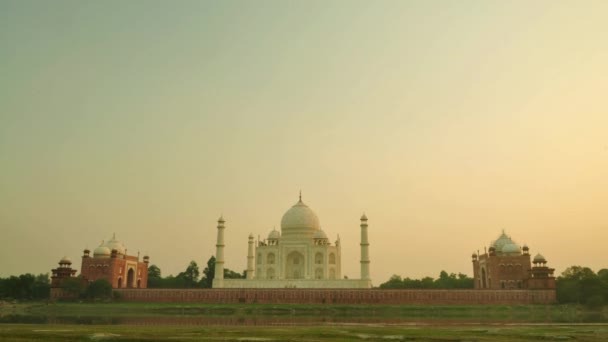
340, 296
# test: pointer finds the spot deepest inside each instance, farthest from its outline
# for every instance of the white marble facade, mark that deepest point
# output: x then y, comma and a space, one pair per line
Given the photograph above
300, 255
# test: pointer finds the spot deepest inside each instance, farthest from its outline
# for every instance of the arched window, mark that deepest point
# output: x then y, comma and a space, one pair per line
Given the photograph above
318, 258
332, 258
294, 267
259, 258
130, 278
270, 258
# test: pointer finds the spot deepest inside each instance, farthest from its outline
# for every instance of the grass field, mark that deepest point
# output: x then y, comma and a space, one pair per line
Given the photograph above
29, 332
254, 322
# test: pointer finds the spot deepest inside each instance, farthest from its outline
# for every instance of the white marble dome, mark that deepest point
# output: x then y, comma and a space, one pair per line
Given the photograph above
115, 244
320, 234
274, 234
505, 245
510, 248
101, 252
299, 220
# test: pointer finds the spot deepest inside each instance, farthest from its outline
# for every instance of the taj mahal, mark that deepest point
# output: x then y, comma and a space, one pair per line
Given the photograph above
299, 256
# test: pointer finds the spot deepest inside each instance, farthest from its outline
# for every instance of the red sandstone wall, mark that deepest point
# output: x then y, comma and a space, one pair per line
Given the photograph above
355, 296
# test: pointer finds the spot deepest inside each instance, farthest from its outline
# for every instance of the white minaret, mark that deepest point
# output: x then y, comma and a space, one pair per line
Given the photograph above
250, 269
364, 249
218, 280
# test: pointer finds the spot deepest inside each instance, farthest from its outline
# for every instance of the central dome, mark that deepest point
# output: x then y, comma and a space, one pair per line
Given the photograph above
299, 220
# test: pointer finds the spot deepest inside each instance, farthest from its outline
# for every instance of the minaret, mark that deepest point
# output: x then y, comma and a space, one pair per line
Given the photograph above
364, 249
250, 258
218, 280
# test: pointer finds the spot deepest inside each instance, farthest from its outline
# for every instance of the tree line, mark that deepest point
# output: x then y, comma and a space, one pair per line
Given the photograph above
25, 287
189, 278
580, 285
445, 281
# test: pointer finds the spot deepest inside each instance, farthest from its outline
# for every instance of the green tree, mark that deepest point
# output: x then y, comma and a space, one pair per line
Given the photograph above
41, 288
230, 274
99, 289
581, 285
190, 275
74, 286
395, 282
208, 274
154, 272
154, 277
445, 281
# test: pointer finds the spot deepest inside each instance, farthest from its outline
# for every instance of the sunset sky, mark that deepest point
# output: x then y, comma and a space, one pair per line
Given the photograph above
444, 121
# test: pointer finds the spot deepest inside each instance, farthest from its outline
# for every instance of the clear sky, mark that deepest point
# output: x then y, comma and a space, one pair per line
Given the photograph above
443, 121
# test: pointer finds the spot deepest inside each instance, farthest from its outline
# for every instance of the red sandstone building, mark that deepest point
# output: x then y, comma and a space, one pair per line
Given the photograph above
111, 262
64, 271
506, 265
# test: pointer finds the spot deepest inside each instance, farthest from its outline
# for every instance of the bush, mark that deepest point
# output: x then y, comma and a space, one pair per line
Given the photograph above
99, 289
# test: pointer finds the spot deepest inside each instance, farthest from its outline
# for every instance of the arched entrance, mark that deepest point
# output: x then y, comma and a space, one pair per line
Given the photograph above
295, 266
130, 278
483, 278
119, 283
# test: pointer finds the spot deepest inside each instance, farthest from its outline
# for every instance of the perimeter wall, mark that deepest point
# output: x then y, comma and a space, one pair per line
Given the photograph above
339, 296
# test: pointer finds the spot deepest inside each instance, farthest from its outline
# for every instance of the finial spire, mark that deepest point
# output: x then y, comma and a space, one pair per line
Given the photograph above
300, 195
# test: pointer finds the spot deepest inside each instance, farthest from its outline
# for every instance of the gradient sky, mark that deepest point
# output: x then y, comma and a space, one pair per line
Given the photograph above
443, 121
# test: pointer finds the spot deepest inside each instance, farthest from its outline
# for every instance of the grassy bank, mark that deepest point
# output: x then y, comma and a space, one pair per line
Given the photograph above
472, 313
316, 333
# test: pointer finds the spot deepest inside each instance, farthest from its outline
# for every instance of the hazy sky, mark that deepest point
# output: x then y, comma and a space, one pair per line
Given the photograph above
443, 121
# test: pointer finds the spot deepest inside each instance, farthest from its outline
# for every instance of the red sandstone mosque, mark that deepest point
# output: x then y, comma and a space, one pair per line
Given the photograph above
111, 262
506, 265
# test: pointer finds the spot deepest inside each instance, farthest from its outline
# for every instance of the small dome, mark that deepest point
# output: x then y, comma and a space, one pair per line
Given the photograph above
320, 234
101, 252
525, 248
474, 255
65, 260
274, 235
539, 258
363, 217
117, 245
299, 220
